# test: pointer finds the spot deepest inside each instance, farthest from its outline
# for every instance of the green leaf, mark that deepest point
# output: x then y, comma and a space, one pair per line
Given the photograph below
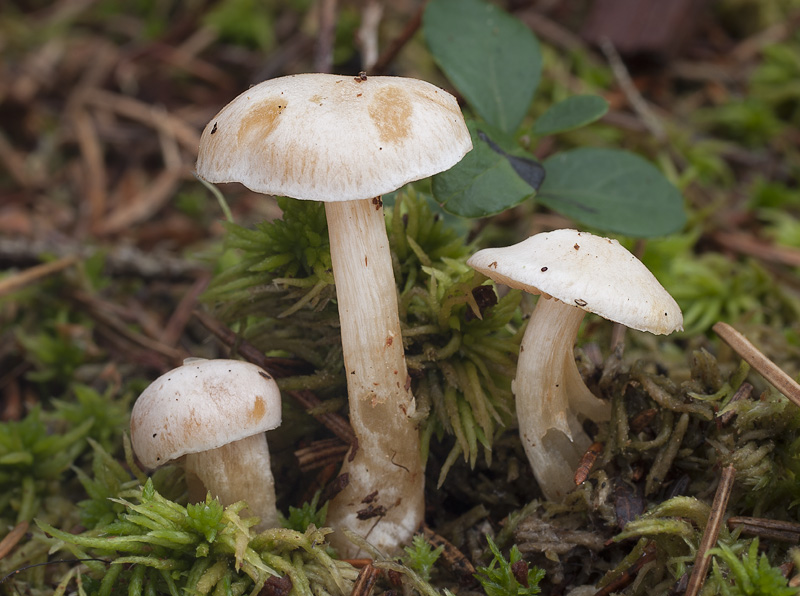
613, 191
492, 58
573, 112
484, 182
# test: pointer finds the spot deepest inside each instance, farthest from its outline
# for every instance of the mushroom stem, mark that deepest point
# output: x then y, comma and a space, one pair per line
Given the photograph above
550, 393
384, 499
238, 471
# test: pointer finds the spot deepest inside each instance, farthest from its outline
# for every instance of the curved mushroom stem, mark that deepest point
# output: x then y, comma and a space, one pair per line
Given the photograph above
238, 471
384, 500
550, 393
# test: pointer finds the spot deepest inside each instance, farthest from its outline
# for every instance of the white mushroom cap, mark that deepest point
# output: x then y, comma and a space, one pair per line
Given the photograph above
333, 138
200, 406
593, 273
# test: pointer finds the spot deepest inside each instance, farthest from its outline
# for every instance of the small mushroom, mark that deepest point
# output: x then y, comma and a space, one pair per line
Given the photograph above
574, 273
213, 414
346, 141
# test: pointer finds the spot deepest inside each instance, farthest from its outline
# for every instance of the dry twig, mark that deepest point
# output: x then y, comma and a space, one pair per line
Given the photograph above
629, 575
453, 558
321, 453
635, 99
742, 393
718, 507
323, 52
771, 529
365, 581
371, 15
11, 539
755, 358
743, 243
391, 52
34, 274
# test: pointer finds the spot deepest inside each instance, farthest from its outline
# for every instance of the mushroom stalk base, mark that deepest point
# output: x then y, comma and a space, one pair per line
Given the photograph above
238, 471
384, 500
550, 394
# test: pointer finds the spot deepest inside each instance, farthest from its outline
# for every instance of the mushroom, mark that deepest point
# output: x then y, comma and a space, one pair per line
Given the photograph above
575, 273
346, 141
213, 414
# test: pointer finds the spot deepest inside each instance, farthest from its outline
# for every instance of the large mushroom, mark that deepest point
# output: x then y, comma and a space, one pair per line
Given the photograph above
212, 415
347, 141
574, 273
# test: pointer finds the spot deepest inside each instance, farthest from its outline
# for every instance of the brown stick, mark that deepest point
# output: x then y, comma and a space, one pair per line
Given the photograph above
453, 558
365, 581
323, 53
747, 244
755, 358
176, 325
629, 574
772, 529
110, 316
627, 86
388, 56
147, 203
742, 393
129, 107
96, 178
11, 539
718, 507
320, 454
32, 275
277, 367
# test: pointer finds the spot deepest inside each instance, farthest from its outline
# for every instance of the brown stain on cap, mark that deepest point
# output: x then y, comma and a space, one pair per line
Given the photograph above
259, 409
261, 120
390, 110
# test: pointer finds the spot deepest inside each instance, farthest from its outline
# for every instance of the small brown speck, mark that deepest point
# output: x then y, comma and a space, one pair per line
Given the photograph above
366, 261
378, 202
493, 264
580, 301
389, 341
577, 246
362, 76
263, 374
214, 128
544, 269
359, 94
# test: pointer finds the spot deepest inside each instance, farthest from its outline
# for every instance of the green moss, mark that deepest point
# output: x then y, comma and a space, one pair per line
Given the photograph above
747, 574
154, 545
